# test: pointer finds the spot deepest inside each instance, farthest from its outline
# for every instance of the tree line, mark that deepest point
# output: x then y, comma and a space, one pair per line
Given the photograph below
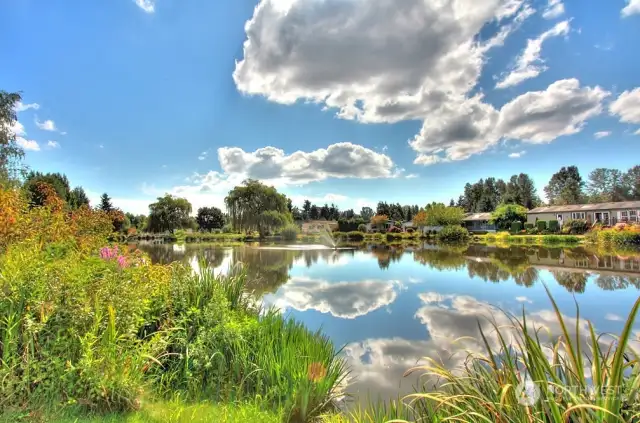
565, 187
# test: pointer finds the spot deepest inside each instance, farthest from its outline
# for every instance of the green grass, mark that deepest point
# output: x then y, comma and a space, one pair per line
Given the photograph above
160, 412
507, 238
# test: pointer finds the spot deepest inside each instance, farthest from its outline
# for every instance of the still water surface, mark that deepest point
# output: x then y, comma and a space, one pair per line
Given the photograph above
390, 306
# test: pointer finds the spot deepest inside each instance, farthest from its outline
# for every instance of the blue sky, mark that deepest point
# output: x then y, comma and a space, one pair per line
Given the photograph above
350, 101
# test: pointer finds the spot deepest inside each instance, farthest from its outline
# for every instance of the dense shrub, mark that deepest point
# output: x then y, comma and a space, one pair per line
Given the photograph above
575, 227
553, 226
362, 227
560, 239
453, 233
516, 227
355, 235
541, 225
99, 326
290, 232
350, 225
394, 230
529, 226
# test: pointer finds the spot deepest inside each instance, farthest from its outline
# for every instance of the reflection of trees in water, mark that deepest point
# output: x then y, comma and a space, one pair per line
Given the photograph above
572, 281
440, 259
387, 254
267, 268
169, 253
613, 282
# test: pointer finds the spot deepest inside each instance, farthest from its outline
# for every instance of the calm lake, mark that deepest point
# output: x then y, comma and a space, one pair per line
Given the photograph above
390, 306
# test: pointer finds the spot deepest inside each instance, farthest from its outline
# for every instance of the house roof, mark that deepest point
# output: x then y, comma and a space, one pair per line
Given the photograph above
618, 205
477, 216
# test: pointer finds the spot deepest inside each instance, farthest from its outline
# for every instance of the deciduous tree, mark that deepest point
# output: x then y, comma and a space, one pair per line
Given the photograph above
565, 187
169, 213
209, 218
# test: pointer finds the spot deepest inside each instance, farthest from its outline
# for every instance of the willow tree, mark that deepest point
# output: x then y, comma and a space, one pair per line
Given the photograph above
254, 206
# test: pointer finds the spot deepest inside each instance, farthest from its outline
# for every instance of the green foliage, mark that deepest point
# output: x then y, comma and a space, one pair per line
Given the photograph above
57, 181
565, 187
553, 226
77, 198
169, 213
516, 227
255, 206
441, 215
541, 225
290, 232
105, 203
529, 226
506, 214
362, 227
453, 234
560, 239
349, 225
575, 227
356, 235
11, 153
209, 218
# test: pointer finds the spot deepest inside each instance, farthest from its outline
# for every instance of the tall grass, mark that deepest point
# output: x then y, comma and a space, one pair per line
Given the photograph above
578, 377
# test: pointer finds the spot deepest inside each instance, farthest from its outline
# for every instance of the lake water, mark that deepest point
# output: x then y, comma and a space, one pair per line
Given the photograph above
390, 306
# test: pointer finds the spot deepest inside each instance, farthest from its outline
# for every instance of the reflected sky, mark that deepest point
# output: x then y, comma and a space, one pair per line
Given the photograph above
390, 306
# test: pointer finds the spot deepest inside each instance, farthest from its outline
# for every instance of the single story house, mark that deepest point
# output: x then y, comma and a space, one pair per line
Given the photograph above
478, 222
605, 213
315, 226
382, 227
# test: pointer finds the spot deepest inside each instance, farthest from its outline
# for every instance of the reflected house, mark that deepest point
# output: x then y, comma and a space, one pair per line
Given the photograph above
478, 222
605, 213
317, 226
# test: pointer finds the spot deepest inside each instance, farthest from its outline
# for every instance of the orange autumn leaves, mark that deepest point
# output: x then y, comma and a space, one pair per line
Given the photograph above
52, 222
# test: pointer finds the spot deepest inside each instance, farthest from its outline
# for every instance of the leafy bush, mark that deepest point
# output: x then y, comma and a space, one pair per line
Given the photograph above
290, 232
100, 327
362, 227
394, 230
516, 227
355, 235
541, 225
575, 227
506, 214
533, 231
560, 239
553, 226
529, 226
453, 233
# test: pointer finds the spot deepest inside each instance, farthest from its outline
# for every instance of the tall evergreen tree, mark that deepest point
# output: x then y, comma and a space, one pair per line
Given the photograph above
105, 203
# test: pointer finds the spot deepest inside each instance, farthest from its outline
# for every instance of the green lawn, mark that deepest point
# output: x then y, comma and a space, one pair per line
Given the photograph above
168, 412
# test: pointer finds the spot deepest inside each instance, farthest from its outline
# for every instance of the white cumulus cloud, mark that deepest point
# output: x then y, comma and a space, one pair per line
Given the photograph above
341, 160
602, 134
398, 60
554, 9
53, 144
149, 6
542, 116
529, 65
627, 106
21, 107
517, 154
632, 7
47, 125
26, 144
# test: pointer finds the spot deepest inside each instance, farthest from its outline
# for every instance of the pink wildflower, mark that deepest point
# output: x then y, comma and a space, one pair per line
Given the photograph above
122, 262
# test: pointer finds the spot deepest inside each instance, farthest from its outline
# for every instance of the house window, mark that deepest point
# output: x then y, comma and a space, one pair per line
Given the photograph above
578, 215
633, 215
624, 216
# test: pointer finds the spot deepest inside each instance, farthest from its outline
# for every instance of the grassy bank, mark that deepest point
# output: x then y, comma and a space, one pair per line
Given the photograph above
507, 238
98, 329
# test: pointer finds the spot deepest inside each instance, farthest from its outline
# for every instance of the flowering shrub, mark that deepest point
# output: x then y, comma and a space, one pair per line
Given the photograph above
394, 230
